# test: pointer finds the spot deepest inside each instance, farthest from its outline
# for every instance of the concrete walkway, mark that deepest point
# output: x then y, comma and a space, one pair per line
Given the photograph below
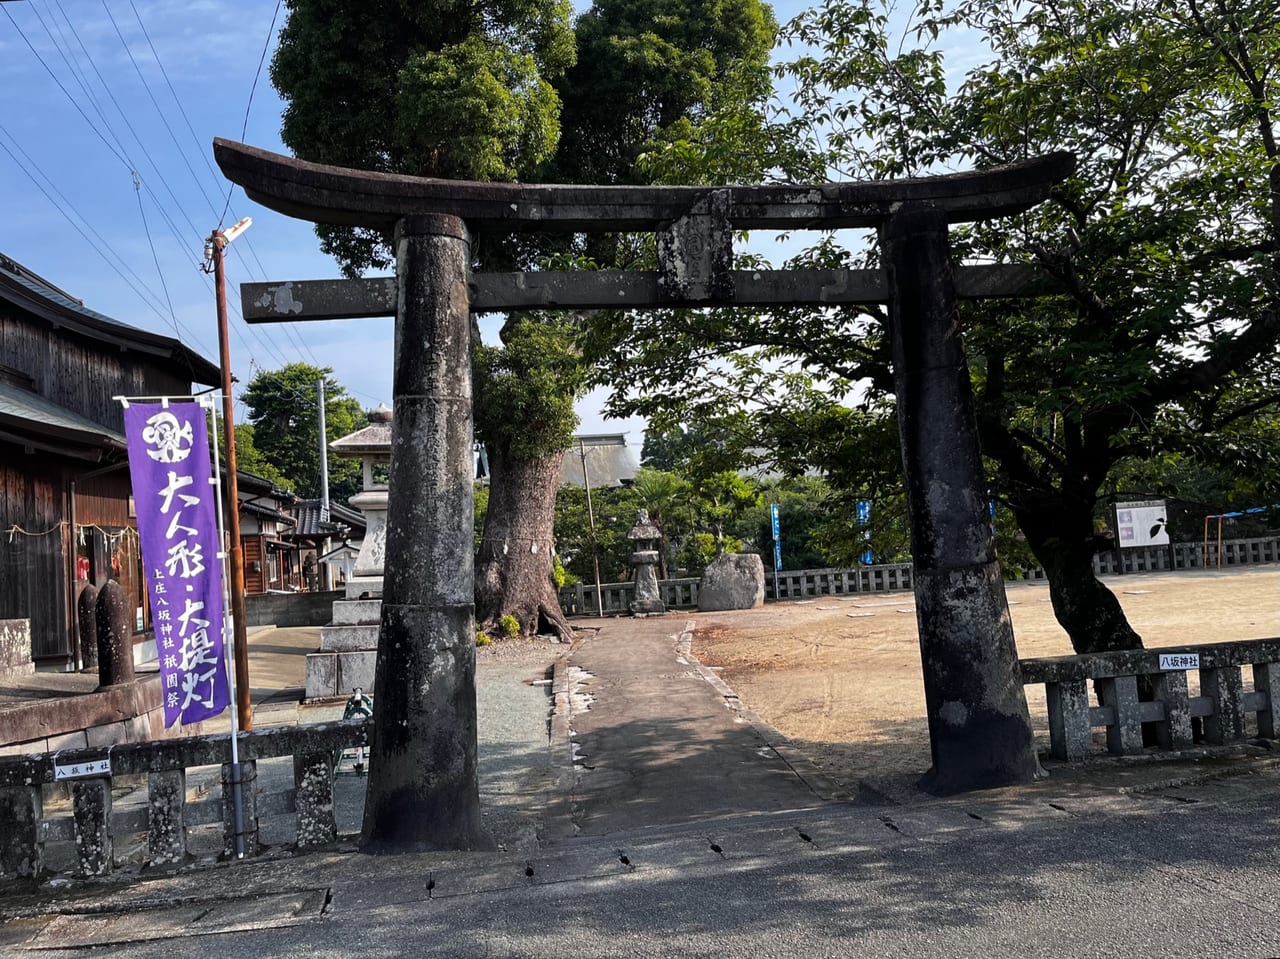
685, 828
655, 742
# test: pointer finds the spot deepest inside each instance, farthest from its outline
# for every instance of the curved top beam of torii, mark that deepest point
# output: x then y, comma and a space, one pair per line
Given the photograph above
340, 195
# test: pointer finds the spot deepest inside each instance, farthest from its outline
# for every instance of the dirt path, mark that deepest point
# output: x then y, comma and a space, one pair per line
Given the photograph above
841, 675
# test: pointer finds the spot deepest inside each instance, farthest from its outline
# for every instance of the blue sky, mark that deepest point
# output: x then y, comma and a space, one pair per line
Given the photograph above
94, 91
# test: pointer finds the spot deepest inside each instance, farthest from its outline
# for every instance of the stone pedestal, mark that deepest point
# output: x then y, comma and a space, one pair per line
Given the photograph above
349, 645
365, 587
373, 548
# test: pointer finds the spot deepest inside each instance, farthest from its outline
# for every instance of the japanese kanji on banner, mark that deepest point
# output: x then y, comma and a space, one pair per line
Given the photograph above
178, 530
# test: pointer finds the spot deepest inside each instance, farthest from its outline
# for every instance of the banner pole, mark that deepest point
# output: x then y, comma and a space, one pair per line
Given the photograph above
237, 794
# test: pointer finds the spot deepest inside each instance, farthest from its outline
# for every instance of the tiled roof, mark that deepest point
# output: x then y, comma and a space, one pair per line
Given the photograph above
28, 416
374, 438
268, 512
313, 521
353, 519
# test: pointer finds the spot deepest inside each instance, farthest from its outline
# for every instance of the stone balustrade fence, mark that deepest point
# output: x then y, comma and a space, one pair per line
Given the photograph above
1223, 703
90, 774
580, 600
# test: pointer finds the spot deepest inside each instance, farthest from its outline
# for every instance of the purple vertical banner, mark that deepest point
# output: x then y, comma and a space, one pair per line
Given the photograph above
178, 530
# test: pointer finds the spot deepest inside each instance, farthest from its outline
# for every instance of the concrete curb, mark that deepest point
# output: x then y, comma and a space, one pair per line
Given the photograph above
559, 821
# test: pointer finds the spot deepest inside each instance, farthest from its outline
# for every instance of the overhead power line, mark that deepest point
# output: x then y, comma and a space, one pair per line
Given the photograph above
92, 110
97, 242
151, 243
244, 129
92, 126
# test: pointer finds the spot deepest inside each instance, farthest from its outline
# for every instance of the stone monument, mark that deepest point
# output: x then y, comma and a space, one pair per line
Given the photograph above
644, 557
15, 647
349, 645
732, 581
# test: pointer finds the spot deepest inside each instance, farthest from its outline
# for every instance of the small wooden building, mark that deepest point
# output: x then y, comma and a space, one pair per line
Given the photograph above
66, 513
317, 528
271, 563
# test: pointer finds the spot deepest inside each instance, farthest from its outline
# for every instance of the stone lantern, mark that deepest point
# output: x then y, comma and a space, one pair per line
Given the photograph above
644, 557
373, 447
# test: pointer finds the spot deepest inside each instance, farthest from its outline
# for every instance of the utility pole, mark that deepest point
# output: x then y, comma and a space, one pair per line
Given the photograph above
323, 570
213, 248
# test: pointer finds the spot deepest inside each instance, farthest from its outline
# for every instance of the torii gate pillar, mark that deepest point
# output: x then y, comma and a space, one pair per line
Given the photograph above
427, 659
977, 711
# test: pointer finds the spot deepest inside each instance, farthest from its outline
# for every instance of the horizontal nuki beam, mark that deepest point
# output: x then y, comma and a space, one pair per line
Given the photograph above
507, 292
343, 196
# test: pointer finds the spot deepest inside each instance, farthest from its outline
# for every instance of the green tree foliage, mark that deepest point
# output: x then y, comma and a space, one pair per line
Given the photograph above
615, 513
700, 550
647, 70
1162, 251
250, 459
699, 447
719, 500
1234, 473
465, 91
807, 509
432, 88
284, 416
667, 450
525, 405
481, 501
461, 91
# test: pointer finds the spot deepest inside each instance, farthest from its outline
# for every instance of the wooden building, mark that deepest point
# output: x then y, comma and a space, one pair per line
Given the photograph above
65, 504
271, 563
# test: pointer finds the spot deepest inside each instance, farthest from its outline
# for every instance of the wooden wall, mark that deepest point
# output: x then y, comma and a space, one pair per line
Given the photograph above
254, 550
104, 500
33, 568
81, 375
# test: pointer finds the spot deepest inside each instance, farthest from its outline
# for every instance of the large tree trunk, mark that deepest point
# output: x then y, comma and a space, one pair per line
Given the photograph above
1060, 534
513, 567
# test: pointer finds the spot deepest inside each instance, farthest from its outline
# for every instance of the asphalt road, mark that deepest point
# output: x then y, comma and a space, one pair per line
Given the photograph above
1178, 871
695, 841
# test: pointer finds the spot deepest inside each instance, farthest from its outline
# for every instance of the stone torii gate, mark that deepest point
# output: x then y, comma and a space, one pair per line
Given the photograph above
423, 789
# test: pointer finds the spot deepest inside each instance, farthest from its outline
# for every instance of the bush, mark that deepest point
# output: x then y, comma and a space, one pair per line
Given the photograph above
561, 576
701, 548
509, 625
483, 638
